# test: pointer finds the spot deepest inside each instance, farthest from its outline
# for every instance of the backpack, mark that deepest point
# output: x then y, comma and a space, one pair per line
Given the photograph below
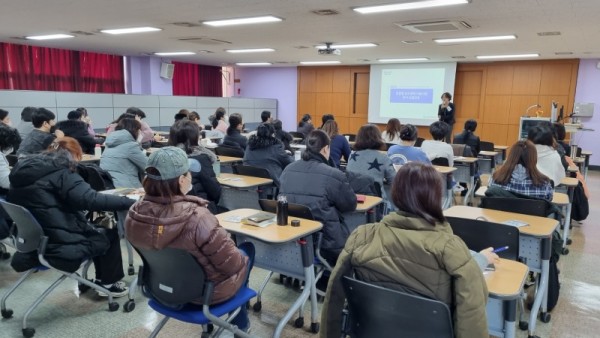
553, 280
580, 207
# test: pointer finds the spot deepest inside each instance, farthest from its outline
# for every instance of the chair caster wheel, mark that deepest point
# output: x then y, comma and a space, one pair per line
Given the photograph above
129, 305
5, 255
257, 306
131, 271
523, 325
28, 332
288, 282
569, 241
83, 288
545, 317
281, 279
7, 313
565, 251
112, 307
533, 336
299, 322
314, 327
296, 283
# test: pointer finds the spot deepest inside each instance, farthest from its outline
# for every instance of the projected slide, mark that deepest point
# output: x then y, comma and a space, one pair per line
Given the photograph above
409, 92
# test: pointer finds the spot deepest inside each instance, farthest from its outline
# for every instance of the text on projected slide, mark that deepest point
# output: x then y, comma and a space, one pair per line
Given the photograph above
404, 95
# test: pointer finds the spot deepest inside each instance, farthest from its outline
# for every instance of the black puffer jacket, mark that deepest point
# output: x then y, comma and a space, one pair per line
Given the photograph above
268, 154
78, 130
57, 198
326, 191
204, 182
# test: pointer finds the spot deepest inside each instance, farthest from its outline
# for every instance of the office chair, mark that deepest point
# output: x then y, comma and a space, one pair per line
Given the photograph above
172, 278
296, 134
389, 145
12, 159
229, 151
31, 239
390, 313
486, 146
419, 141
441, 161
247, 170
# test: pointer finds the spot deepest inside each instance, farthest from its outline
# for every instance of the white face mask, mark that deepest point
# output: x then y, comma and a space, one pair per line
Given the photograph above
185, 191
139, 138
8, 151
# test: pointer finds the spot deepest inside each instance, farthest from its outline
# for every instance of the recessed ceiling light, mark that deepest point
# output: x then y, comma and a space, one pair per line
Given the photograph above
242, 21
555, 33
320, 62
403, 60
173, 53
411, 42
512, 56
131, 30
251, 50
253, 64
351, 45
408, 6
458, 57
49, 37
563, 53
476, 39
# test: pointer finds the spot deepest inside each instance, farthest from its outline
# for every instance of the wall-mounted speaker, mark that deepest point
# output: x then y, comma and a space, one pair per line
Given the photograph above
166, 70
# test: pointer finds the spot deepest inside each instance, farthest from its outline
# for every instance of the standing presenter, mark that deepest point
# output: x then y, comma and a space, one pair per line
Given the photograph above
446, 113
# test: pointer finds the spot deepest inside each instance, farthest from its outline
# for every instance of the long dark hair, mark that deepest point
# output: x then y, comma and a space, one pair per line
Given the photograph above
263, 138
417, 189
186, 133
219, 113
393, 128
123, 116
304, 120
369, 137
315, 141
133, 126
525, 154
470, 126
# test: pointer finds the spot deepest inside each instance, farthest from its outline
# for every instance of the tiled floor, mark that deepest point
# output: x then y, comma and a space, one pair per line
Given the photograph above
65, 313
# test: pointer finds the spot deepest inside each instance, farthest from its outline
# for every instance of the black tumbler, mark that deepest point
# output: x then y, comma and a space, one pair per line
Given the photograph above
282, 210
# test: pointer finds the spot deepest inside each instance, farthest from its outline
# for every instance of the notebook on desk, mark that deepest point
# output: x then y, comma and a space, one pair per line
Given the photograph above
260, 219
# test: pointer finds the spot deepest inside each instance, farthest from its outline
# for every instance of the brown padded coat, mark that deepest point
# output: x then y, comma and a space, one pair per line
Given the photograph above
404, 251
185, 223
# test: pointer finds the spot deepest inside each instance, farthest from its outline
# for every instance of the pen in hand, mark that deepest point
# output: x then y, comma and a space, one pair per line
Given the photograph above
504, 248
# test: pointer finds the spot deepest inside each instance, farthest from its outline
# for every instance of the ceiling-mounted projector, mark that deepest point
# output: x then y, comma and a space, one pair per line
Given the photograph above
328, 50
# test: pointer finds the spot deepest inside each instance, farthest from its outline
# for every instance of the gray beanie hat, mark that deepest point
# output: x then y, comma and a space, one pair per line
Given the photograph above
171, 162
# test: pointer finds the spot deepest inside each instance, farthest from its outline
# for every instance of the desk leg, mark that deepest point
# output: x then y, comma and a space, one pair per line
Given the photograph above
541, 295
567, 224
470, 190
510, 315
586, 165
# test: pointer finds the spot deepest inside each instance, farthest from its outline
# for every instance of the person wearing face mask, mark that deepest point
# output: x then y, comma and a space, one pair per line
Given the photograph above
9, 140
4, 118
168, 218
42, 135
123, 157
446, 113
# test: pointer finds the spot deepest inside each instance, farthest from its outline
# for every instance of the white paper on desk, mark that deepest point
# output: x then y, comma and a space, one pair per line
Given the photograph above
515, 223
459, 158
234, 219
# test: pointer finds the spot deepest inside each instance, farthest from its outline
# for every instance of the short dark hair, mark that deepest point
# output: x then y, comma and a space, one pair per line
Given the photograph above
27, 112
559, 131
123, 116
193, 116
40, 116
136, 111
325, 118
235, 120
3, 114
408, 132
315, 141
541, 134
369, 137
448, 95
417, 190
471, 125
133, 126
9, 137
184, 111
265, 115
264, 137
180, 116
184, 132
438, 130
83, 111
74, 115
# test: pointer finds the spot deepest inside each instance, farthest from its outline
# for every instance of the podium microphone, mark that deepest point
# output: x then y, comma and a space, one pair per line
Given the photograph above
531, 107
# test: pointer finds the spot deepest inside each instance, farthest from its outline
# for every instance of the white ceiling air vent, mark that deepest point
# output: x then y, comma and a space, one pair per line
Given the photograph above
435, 26
203, 40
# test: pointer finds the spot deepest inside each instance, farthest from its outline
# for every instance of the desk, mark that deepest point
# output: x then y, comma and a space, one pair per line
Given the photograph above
579, 163
466, 174
86, 158
586, 154
363, 214
535, 245
298, 146
241, 191
446, 173
489, 161
229, 159
501, 149
504, 286
570, 184
103, 135
284, 249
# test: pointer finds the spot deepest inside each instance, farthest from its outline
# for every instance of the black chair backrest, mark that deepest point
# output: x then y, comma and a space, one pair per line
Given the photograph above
248, 170
525, 206
96, 177
389, 145
12, 159
486, 146
479, 235
419, 141
29, 231
351, 137
440, 161
578, 154
391, 313
173, 277
207, 127
229, 151
294, 210
297, 135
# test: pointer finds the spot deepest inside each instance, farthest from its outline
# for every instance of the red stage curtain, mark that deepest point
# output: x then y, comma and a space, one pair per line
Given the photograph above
40, 68
197, 80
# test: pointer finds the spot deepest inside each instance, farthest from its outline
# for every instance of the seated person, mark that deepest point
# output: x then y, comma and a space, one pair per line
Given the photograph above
437, 147
195, 117
560, 134
234, 132
415, 249
9, 140
468, 137
42, 135
548, 160
519, 174
315, 183
265, 116
325, 118
77, 128
166, 217
185, 135
147, 132
339, 144
305, 125
218, 121
49, 186
25, 126
391, 134
266, 151
283, 136
367, 158
406, 151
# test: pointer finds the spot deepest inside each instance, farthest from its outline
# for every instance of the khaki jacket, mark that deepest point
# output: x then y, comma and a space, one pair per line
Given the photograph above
404, 251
